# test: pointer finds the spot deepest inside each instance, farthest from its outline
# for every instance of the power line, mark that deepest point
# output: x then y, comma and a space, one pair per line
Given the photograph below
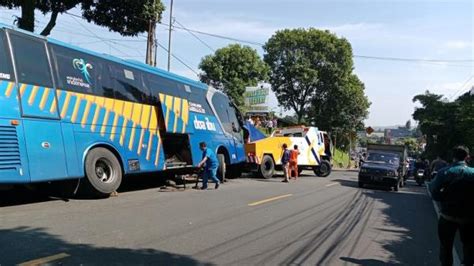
98, 37
414, 59
461, 88
195, 36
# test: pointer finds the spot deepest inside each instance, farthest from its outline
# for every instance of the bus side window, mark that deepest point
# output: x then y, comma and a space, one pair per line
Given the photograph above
128, 85
6, 72
77, 71
31, 60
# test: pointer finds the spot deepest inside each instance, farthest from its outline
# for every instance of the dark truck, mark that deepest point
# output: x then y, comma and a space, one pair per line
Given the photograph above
385, 165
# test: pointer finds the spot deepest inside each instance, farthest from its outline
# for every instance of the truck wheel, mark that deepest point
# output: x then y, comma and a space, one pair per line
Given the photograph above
267, 167
361, 185
322, 170
221, 171
300, 170
103, 173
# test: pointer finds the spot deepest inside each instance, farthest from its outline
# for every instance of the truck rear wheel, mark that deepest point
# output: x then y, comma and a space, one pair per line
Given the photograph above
267, 167
221, 171
103, 173
323, 169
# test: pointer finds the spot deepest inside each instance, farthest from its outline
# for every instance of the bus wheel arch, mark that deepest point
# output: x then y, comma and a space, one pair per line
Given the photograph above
224, 159
103, 171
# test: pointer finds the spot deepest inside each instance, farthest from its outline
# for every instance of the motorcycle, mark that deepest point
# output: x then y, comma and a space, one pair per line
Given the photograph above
420, 176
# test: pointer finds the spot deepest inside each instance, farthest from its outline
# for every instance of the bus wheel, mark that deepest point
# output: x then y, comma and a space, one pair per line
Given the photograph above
267, 167
221, 171
103, 172
323, 170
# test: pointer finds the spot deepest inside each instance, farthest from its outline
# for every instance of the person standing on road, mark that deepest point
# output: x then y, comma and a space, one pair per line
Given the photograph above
269, 126
210, 163
453, 187
285, 159
294, 161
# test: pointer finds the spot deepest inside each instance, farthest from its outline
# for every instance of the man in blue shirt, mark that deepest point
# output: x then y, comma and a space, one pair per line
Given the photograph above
285, 161
209, 160
453, 187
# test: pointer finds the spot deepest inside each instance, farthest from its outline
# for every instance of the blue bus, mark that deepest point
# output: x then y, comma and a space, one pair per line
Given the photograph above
70, 113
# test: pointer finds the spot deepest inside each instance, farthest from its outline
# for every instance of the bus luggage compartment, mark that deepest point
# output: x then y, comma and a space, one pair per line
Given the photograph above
177, 150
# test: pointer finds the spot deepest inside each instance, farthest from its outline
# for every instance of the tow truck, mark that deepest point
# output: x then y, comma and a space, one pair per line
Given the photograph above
264, 155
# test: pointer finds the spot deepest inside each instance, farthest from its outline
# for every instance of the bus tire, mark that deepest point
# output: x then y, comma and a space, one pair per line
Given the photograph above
103, 173
221, 171
267, 167
323, 169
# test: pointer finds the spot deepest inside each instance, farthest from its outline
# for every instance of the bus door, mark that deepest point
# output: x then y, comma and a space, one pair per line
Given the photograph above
38, 101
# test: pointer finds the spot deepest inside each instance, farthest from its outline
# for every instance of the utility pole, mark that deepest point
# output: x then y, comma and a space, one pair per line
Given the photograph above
150, 44
169, 35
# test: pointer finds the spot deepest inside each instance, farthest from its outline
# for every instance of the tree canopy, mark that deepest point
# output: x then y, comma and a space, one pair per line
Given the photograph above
125, 17
232, 68
311, 73
445, 124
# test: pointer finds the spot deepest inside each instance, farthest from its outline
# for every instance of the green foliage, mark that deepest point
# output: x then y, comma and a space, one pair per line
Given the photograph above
445, 124
125, 17
341, 158
311, 73
232, 68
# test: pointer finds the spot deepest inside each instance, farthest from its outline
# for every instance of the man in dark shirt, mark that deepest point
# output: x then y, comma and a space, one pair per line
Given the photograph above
453, 187
437, 164
285, 160
209, 160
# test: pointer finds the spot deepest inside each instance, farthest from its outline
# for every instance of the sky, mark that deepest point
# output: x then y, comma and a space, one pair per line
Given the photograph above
412, 29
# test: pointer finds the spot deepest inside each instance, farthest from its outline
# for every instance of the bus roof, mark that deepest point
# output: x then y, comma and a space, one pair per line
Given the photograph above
130, 63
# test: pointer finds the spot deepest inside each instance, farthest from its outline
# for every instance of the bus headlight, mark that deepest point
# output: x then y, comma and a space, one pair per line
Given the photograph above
363, 170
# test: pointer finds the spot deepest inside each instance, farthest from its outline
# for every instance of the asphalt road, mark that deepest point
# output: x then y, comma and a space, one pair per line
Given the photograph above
311, 221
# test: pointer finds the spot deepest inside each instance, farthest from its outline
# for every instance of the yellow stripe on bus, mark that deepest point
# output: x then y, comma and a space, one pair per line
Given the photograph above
169, 107
157, 159
118, 109
177, 112
9, 90
109, 105
44, 98
89, 100
99, 103
53, 106
127, 114
137, 111
184, 115
145, 119
34, 91
150, 144
76, 107
66, 104
22, 89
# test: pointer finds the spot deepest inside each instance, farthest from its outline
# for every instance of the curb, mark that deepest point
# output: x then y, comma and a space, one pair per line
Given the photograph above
456, 260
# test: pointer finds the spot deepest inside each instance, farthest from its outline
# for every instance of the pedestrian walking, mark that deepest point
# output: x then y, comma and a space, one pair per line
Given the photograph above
453, 187
210, 164
285, 159
275, 123
294, 162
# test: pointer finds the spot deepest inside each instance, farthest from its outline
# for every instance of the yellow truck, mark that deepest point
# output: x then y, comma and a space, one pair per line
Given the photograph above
264, 155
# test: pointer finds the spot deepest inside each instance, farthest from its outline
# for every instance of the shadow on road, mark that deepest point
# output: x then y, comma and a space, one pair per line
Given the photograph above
34, 243
410, 217
63, 190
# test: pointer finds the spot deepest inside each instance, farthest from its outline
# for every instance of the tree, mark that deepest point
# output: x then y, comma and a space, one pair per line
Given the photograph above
125, 17
232, 68
311, 73
408, 125
445, 124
